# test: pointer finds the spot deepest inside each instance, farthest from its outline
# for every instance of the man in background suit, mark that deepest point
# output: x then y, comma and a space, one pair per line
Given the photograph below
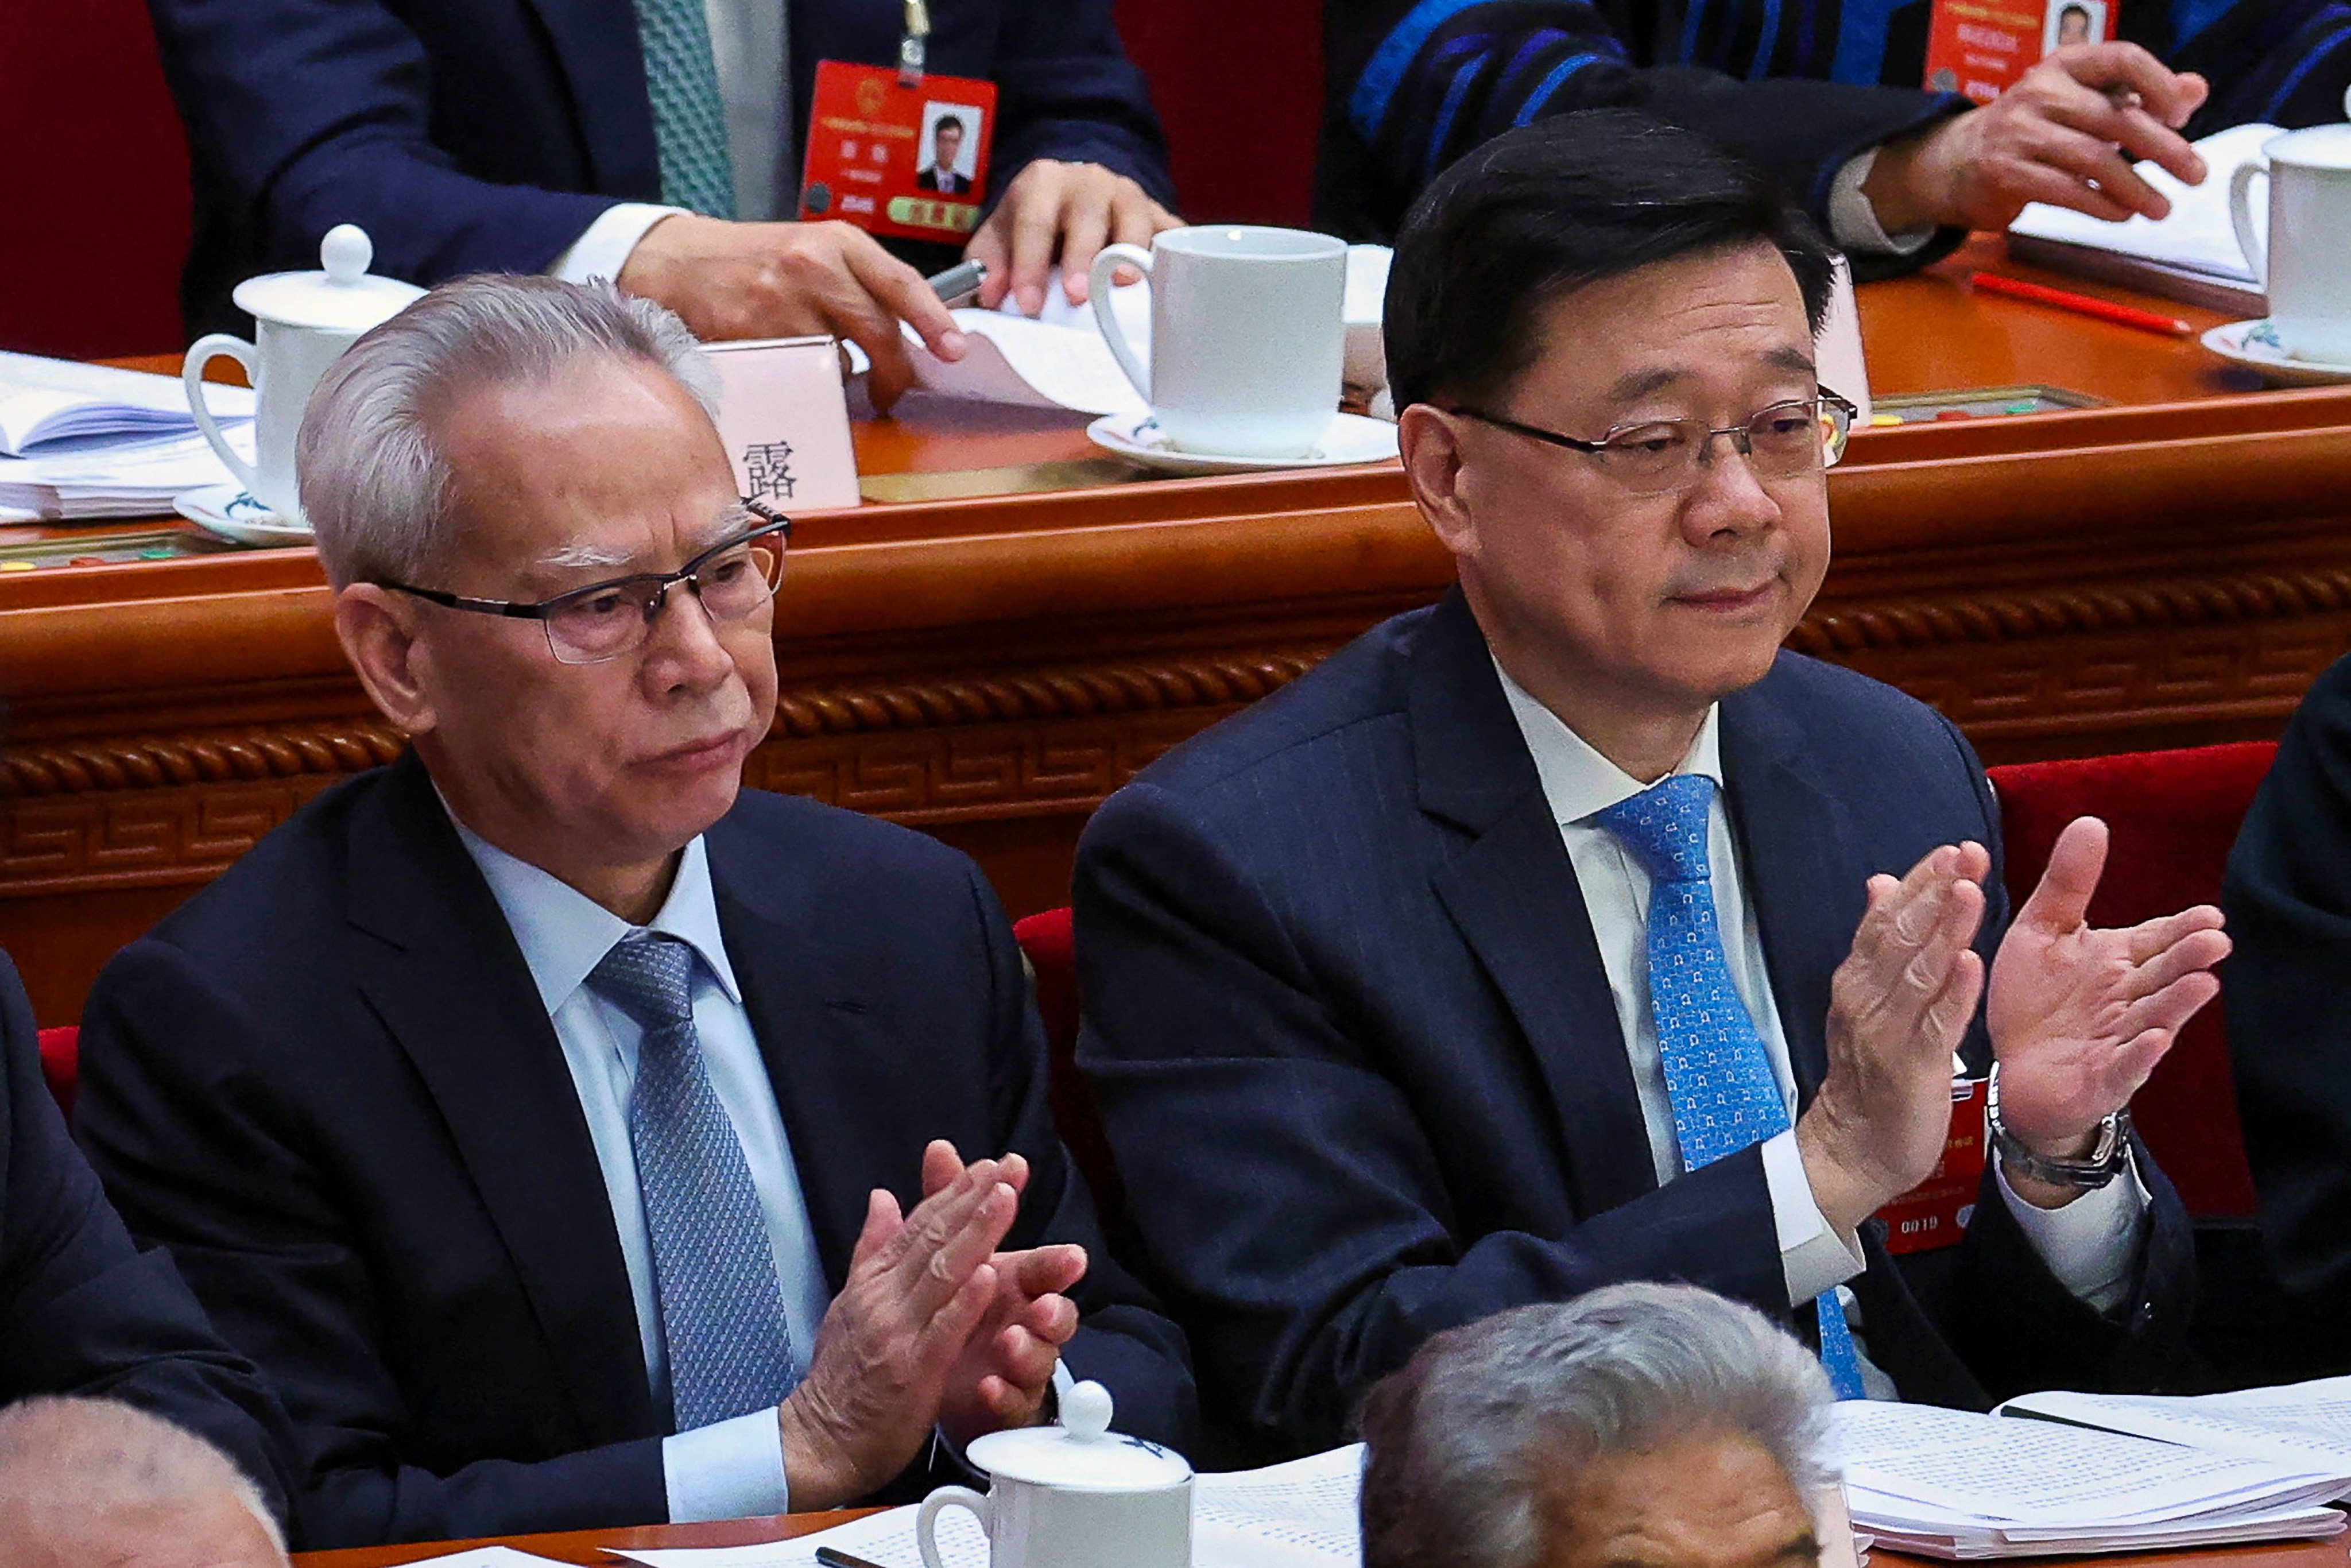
1570, 932
653, 142
2288, 896
85, 1312
1826, 95
543, 1113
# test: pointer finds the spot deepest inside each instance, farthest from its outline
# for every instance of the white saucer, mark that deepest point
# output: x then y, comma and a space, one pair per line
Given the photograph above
1351, 439
2254, 344
228, 511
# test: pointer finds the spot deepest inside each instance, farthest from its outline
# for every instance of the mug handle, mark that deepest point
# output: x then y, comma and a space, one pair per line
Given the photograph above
2241, 213
926, 1521
203, 352
1098, 282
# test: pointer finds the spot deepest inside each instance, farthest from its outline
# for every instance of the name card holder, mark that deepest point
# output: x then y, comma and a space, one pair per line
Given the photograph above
783, 414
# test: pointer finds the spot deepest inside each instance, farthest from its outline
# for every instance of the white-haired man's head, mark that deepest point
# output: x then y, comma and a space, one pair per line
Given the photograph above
1657, 1424
94, 1483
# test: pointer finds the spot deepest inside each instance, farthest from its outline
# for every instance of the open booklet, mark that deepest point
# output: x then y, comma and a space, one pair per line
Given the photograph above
1952, 1483
1297, 1515
2191, 255
50, 403
1058, 359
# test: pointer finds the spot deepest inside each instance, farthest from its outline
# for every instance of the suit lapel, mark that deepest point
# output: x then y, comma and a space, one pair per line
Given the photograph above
819, 1060
1512, 892
452, 986
595, 44
1795, 844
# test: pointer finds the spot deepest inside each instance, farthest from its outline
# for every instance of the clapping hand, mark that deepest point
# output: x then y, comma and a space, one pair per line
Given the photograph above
1007, 1367
2080, 1015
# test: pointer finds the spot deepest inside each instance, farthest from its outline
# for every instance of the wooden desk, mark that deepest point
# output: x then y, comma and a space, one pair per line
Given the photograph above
2171, 569
585, 1547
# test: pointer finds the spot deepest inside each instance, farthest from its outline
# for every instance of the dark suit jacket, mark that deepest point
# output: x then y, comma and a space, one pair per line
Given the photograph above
329, 1083
1358, 1062
2288, 898
1412, 84
83, 1311
928, 179
485, 135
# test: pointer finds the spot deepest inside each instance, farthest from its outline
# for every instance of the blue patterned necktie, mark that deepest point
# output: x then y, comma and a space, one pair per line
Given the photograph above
697, 171
1725, 1096
722, 1312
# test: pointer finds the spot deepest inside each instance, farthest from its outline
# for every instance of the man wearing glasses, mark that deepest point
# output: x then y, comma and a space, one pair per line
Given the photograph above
575, 1137
1570, 932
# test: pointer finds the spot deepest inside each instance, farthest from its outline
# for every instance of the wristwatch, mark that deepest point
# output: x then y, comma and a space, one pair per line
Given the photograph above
2101, 1165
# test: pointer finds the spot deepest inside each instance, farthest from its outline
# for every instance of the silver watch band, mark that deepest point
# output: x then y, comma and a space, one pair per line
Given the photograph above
2101, 1165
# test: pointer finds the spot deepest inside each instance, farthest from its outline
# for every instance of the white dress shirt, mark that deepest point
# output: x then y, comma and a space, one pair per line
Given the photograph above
750, 44
2091, 1245
732, 1467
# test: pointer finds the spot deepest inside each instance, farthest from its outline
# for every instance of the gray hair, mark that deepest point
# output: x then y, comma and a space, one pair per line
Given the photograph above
375, 484
1466, 1440
63, 1458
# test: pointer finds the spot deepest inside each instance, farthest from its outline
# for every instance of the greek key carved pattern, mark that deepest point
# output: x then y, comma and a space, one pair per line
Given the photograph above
2000, 618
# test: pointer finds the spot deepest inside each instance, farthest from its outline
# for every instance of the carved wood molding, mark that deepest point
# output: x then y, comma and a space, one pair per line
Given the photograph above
247, 754
1073, 690
1981, 617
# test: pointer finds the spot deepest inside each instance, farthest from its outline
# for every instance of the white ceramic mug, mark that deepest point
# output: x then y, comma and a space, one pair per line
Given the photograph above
1249, 336
1077, 1496
302, 323
2309, 284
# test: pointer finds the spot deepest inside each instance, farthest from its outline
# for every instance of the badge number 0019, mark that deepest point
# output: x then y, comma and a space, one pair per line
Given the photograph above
906, 161
1980, 48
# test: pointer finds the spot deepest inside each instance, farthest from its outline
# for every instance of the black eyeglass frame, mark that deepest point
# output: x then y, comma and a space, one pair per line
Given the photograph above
1741, 436
544, 610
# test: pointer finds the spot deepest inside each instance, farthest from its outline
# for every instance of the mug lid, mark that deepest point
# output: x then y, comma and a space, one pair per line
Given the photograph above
1082, 1453
342, 297
2316, 147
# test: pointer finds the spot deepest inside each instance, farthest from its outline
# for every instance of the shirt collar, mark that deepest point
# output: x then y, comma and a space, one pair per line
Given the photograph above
1577, 780
564, 934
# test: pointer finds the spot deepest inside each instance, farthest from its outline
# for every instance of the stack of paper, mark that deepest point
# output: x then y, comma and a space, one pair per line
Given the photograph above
2299, 1424
80, 440
2192, 255
1298, 1515
1952, 1483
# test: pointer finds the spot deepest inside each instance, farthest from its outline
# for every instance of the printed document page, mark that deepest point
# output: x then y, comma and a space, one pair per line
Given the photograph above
2302, 1424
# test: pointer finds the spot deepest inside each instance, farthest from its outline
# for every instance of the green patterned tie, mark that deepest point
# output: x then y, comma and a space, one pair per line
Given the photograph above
689, 122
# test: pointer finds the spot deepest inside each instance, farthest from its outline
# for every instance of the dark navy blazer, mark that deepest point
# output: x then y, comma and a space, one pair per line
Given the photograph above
486, 135
1359, 1063
83, 1311
329, 1083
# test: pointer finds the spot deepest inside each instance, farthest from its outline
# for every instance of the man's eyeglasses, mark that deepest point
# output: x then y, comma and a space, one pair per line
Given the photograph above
1666, 456
606, 620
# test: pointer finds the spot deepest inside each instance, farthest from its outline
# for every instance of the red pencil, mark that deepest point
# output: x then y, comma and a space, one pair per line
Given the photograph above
2083, 305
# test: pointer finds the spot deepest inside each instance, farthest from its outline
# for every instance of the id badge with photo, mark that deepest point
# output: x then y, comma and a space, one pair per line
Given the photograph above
1980, 48
904, 160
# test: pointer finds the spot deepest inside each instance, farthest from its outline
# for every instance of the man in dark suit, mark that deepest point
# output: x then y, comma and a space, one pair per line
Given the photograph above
543, 1113
625, 139
1570, 932
85, 1312
947, 146
1826, 95
2289, 1032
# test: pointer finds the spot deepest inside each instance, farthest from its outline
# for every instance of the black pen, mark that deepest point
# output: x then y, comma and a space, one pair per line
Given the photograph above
957, 284
826, 1556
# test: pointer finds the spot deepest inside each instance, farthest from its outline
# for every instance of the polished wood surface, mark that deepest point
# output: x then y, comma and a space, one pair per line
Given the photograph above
586, 1547
2172, 569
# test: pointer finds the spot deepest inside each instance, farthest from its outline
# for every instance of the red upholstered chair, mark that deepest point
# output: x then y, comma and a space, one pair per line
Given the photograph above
1050, 944
60, 1060
2173, 815
1239, 88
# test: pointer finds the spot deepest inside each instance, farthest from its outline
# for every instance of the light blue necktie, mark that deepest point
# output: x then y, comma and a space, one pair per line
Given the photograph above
697, 171
722, 1312
1725, 1096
